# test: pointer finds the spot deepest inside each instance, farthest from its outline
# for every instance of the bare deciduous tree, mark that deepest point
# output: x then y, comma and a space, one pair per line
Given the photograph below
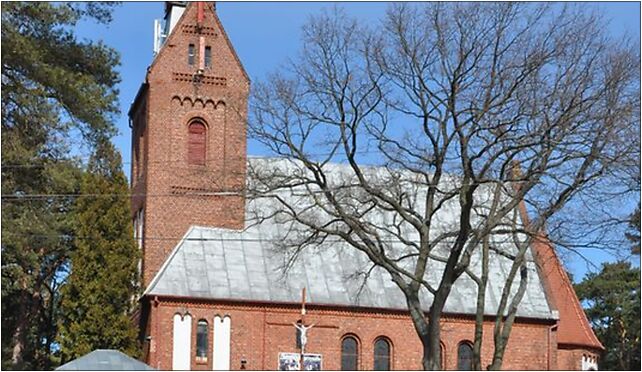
480, 109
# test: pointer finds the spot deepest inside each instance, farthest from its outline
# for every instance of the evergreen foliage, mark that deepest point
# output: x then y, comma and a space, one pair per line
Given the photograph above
100, 294
633, 235
55, 90
612, 299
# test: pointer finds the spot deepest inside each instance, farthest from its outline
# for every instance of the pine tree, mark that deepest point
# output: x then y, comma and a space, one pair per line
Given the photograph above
97, 301
612, 304
57, 92
633, 235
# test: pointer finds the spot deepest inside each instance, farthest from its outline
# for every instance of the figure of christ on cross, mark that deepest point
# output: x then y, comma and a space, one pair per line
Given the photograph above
302, 328
303, 333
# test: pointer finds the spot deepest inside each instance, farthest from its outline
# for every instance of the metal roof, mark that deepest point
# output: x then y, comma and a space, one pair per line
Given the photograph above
214, 263
105, 360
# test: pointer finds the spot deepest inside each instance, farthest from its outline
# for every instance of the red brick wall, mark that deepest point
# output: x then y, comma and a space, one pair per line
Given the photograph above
174, 189
260, 332
570, 358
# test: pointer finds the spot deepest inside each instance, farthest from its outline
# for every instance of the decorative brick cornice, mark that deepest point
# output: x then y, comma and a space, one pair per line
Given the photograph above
194, 30
199, 191
328, 309
199, 78
198, 102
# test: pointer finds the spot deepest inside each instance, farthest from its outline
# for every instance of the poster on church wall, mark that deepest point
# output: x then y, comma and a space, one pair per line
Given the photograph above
312, 362
291, 362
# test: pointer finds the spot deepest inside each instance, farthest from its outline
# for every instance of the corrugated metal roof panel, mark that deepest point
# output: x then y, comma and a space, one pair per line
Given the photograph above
332, 276
249, 265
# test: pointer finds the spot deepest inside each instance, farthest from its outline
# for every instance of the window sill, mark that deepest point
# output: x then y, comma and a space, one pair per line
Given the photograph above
201, 360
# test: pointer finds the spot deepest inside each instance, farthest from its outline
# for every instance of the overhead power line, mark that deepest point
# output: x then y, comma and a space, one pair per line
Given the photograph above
25, 197
63, 161
201, 239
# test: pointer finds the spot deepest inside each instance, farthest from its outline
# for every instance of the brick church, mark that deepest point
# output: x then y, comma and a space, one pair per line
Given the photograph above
216, 297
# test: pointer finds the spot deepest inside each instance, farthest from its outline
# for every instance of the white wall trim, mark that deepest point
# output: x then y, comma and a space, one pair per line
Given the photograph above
221, 347
182, 342
589, 363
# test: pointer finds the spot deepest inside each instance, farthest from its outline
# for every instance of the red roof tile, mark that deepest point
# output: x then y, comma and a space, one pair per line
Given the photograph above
574, 328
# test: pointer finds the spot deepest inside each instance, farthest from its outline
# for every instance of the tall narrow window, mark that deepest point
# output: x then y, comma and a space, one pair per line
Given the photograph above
349, 354
382, 355
196, 143
201, 341
190, 54
137, 140
464, 357
208, 56
140, 227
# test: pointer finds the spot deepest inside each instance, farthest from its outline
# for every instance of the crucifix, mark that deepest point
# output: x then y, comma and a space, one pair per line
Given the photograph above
302, 328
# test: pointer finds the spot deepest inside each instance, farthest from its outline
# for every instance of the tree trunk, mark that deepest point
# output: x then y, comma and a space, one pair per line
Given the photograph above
430, 340
19, 335
18, 345
432, 356
479, 331
51, 330
428, 330
481, 305
432, 359
504, 326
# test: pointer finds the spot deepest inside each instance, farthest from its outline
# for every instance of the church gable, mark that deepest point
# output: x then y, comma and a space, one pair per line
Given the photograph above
196, 48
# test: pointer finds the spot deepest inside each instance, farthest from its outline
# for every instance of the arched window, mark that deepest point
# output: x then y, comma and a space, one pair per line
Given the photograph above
201, 340
349, 354
464, 356
382, 355
196, 143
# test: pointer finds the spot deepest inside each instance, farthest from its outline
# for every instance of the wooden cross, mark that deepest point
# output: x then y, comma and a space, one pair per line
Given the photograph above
303, 305
302, 329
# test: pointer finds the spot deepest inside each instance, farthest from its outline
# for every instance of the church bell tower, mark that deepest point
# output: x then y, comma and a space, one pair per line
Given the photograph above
188, 125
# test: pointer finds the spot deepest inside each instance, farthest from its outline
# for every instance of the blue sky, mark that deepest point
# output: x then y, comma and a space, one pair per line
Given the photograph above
265, 34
